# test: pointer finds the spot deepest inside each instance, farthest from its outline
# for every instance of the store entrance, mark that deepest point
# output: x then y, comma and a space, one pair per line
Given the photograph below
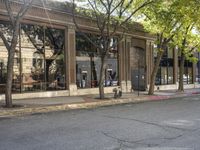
138, 79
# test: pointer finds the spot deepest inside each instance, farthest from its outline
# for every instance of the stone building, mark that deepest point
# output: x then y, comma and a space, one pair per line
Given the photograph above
53, 59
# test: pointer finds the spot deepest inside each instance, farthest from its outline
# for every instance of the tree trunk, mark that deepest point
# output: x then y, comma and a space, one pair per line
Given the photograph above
9, 77
10, 63
181, 72
93, 72
15, 22
48, 64
102, 78
154, 73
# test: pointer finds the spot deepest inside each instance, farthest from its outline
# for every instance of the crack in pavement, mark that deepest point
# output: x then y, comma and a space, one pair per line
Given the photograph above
148, 123
119, 140
140, 142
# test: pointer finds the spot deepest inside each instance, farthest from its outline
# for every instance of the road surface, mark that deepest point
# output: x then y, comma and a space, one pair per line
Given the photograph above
159, 125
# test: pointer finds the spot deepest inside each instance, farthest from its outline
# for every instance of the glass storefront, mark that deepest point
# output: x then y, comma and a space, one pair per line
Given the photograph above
39, 59
7, 31
165, 71
88, 63
198, 69
187, 74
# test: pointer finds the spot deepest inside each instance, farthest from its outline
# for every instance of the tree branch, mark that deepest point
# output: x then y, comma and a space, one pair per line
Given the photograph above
103, 4
95, 10
136, 10
9, 11
5, 41
120, 3
78, 28
126, 7
23, 10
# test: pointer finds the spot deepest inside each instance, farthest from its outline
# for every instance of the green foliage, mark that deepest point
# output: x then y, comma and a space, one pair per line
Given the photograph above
159, 18
188, 38
175, 23
177, 20
109, 17
112, 12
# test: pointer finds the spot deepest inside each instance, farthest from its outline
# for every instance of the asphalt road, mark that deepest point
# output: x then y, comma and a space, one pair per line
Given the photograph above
160, 125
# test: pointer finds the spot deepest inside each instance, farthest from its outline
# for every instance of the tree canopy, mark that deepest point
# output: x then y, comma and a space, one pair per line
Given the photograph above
174, 22
110, 17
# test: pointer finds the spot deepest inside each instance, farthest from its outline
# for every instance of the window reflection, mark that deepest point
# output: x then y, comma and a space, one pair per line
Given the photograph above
88, 63
54, 58
38, 60
16, 71
32, 57
187, 74
165, 71
198, 68
6, 28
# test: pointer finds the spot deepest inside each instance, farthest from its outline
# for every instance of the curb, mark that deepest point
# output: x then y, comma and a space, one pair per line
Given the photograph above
87, 105
62, 107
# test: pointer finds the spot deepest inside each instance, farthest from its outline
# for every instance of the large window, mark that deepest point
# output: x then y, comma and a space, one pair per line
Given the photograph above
39, 59
198, 69
187, 74
32, 57
7, 31
88, 63
165, 71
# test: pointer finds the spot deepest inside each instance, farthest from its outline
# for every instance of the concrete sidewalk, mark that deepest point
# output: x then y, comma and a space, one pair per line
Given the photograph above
43, 105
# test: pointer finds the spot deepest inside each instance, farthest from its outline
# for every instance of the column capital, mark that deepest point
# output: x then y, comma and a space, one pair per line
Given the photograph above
71, 28
149, 42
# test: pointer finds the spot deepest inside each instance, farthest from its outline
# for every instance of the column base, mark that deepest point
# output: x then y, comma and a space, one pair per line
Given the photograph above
73, 90
126, 86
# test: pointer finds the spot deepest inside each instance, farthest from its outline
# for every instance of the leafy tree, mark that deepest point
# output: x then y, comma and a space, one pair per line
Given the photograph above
188, 44
14, 19
109, 16
187, 39
160, 20
173, 22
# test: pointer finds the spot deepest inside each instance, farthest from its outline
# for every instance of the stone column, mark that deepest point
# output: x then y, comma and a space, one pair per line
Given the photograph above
124, 64
175, 68
121, 48
71, 60
194, 65
121, 65
127, 65
149, 60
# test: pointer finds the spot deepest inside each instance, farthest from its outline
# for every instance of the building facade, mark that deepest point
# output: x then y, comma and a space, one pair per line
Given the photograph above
52, 58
